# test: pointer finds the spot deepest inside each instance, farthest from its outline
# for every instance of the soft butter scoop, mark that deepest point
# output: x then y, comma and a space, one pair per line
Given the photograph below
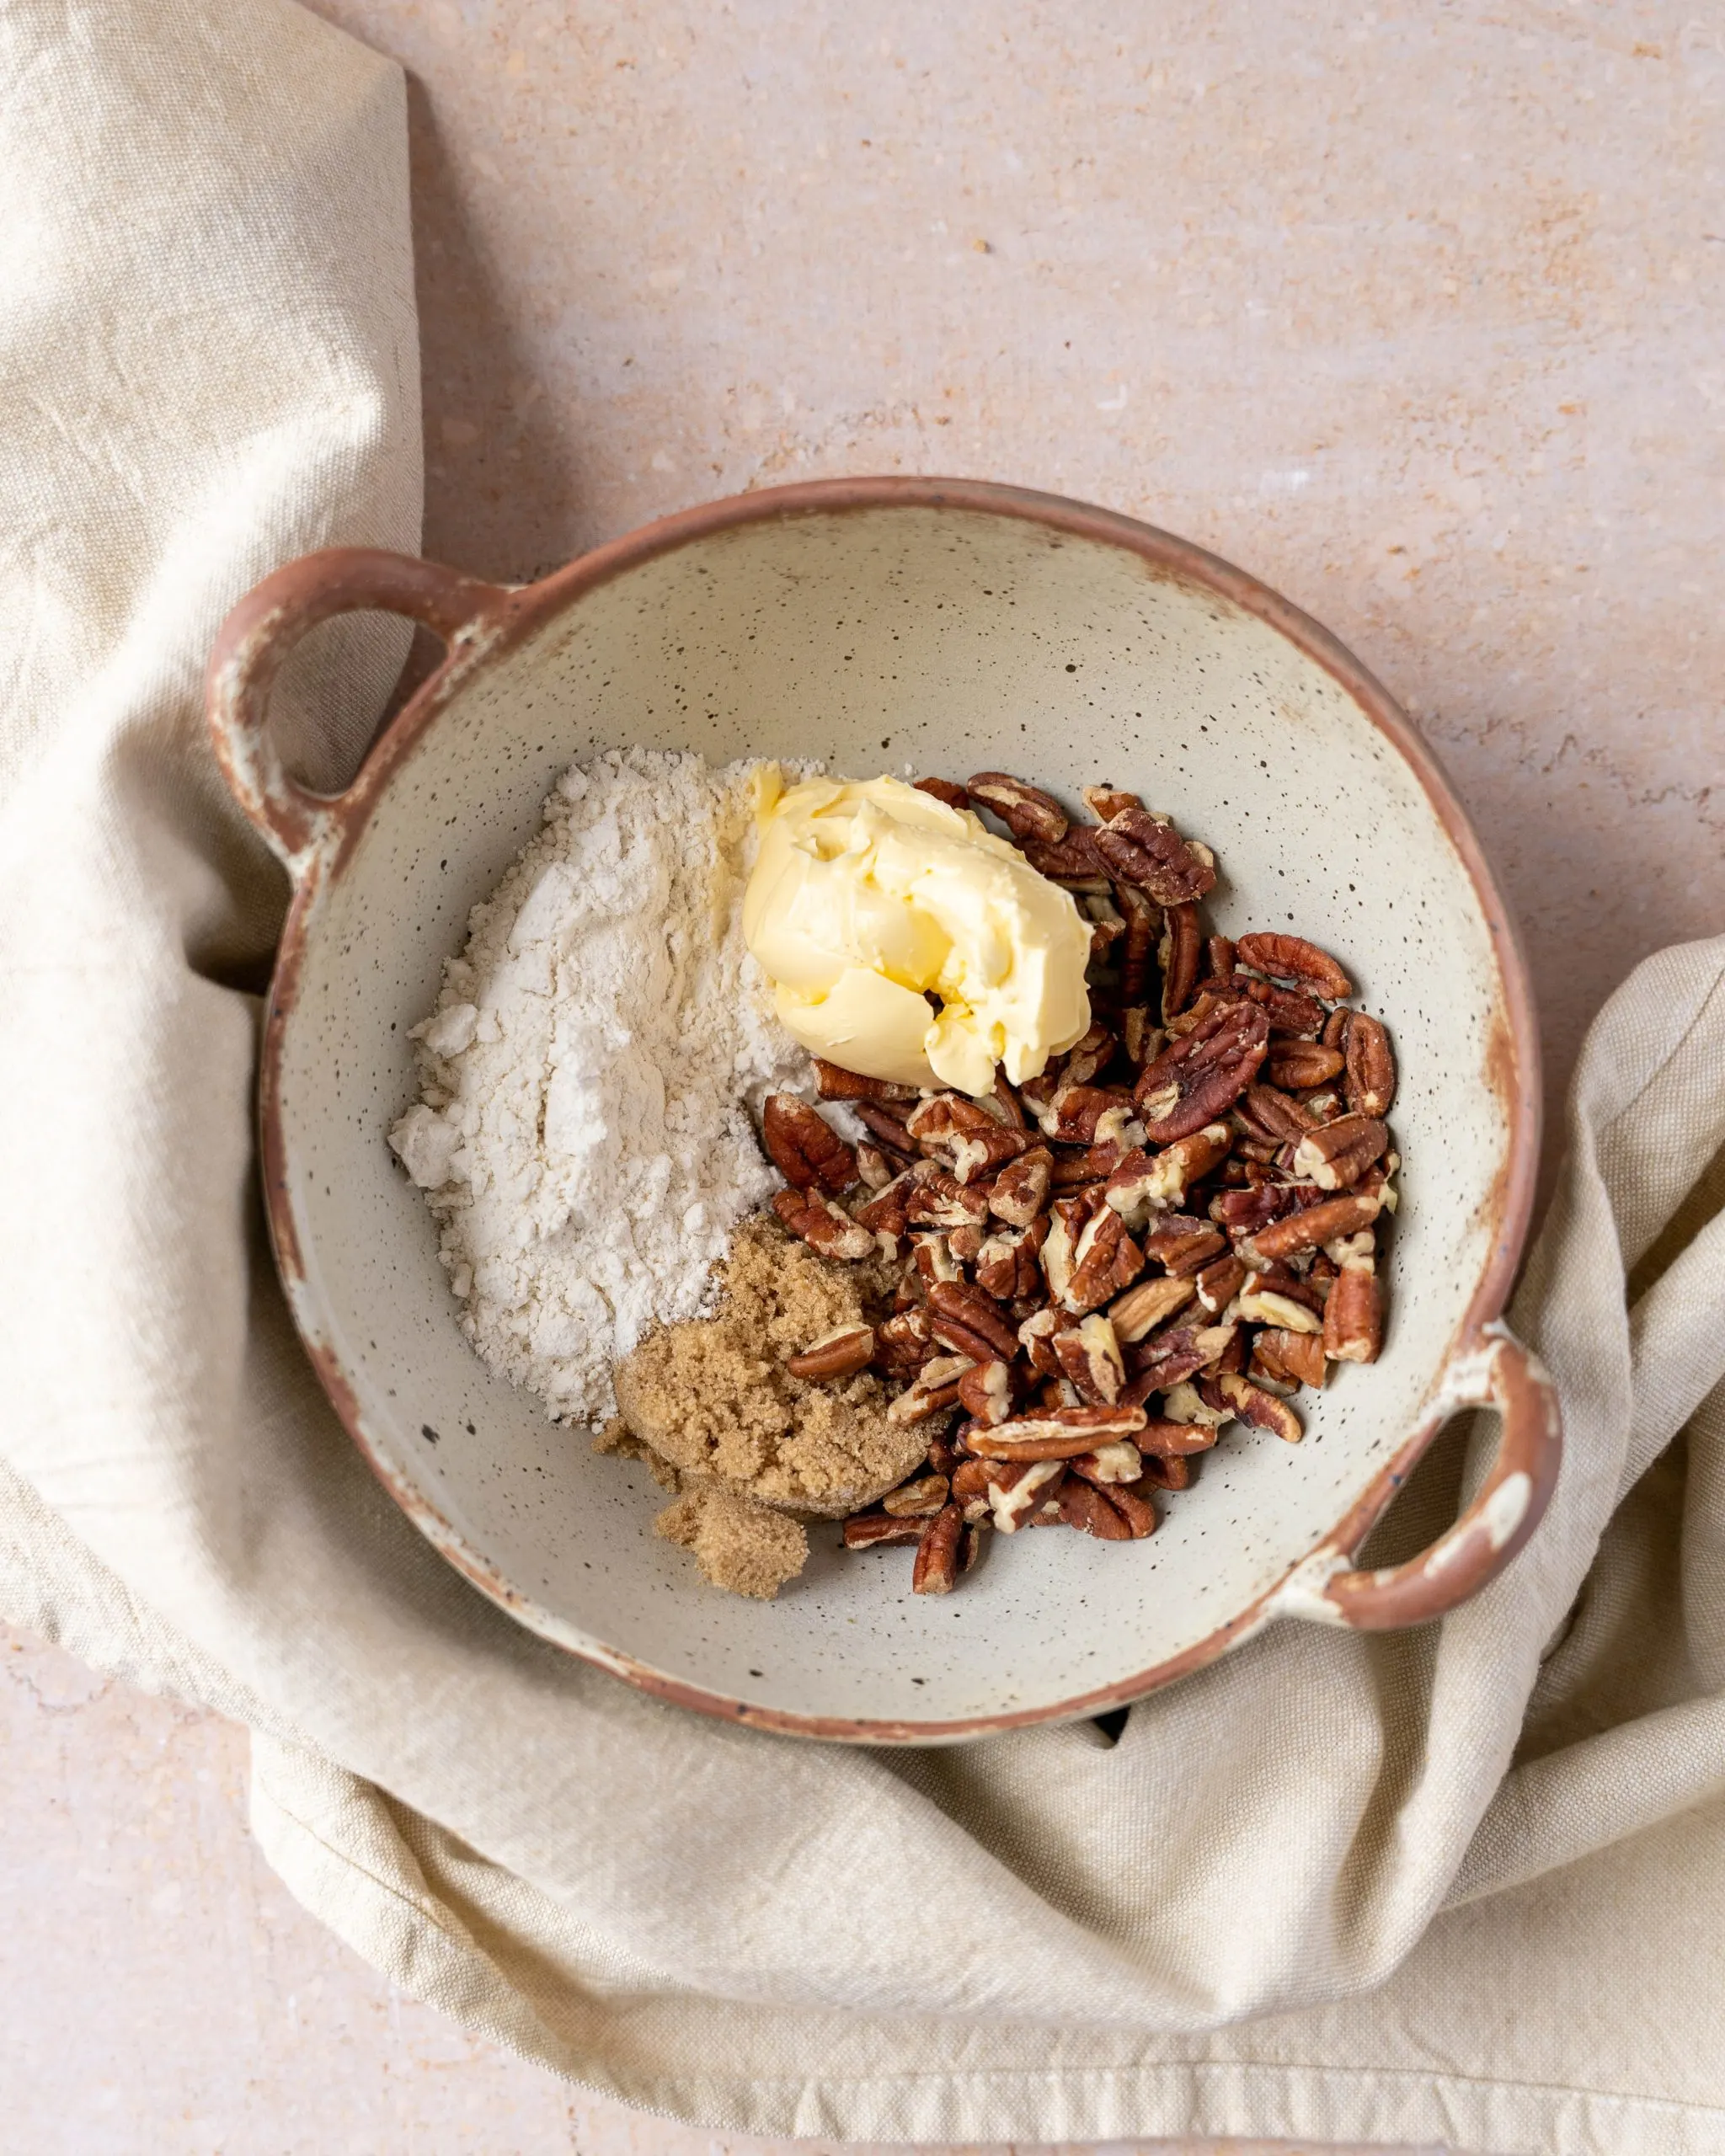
906, 941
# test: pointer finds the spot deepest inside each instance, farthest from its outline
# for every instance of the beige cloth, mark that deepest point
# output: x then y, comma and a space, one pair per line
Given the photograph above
209, 367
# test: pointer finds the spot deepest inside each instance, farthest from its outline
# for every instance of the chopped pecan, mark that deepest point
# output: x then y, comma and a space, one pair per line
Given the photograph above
888, 1213
1130, 1502
1142, 917
1309, 1228
1089, 1356
1143, 1182
1292, 958
875, 1530
1107, 925
1335, 1028
1182, 1244
833, 1082
904, 1341
1088, 1115
1026, 810
1117, 1461
1020, 1191
1219, 1283
965, 1243
1105, 800
803, 1146
1219, 955
1037, 1335
1017, 1488
938, 1553
1337, 1154
1291, 1012
1174, 1473
1183, 941
1353, 1317
917, 1499
1302, 1064
1004, 1105
1244, 1212
1291, 1358
1085, 1058
970, 1487
1160, 1439
1075, 1169
941, 1201
1193, 1079
1055, 1433
837, 1355
1006, 1266
875, 1167
934, 1389
1370, 1065
945, 789
1261, 1305
970, 1322
1151, 1303
933, 1258
1104, 1259
1140, 1038
1083, 1506
827, 1231
1138, 847
1254, 1405
1177, 1352
887, 1128
986, 1393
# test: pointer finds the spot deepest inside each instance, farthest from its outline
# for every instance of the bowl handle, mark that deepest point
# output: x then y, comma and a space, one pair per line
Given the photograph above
263, 628
1496, 1371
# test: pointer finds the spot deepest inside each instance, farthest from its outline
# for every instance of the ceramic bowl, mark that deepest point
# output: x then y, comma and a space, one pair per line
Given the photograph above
903, 625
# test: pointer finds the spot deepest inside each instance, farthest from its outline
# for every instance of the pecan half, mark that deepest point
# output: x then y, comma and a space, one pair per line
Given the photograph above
1137, 1313
1291, 1012
1302, 1064
1337, 1154
1174, 1473
917, 1499
1072, 860
803, 1146
1104, 1259
1055, 1433
970, 1322
1271, 1114
1177, 1352
833, 1082
1130, 1502
1193, 1079
1026, 810
1139, 847
1020, 1191
1353, 1317
876, 1530
828, 1232
1183, 941
1254, 1405
838, 1355
1291, 958
945, 789
1160, 1439
1089, 1356
1108, 926
1310, 1228
1370, 1065
1083, 1506
938, 1553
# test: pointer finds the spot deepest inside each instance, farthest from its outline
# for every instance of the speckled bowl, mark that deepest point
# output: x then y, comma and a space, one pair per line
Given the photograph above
894, 624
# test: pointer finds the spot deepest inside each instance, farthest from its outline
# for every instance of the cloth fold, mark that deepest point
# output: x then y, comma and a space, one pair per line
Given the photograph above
209, 337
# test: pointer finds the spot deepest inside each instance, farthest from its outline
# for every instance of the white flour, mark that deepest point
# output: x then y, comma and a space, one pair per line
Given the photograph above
583, 1132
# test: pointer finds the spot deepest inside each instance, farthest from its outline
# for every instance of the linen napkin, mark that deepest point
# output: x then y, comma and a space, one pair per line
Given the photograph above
210, 367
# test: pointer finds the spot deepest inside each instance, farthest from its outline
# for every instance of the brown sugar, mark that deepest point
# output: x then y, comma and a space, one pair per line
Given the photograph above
739, 1545
713, 1396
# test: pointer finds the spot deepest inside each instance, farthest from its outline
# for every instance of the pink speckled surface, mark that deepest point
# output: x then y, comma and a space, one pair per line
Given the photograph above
1414, 312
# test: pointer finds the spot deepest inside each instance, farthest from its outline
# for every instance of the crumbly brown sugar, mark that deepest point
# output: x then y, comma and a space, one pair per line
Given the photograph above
713, 1396
739, 1545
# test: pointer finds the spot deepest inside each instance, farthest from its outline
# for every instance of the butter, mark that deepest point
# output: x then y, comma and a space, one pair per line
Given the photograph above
868, 898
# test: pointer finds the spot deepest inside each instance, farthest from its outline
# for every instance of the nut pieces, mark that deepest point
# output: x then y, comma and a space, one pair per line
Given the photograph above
1170, 1230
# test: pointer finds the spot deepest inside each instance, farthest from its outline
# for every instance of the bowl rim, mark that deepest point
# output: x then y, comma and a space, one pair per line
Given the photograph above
500, 617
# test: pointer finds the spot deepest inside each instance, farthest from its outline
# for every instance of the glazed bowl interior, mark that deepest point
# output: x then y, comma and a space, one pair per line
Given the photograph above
906, 639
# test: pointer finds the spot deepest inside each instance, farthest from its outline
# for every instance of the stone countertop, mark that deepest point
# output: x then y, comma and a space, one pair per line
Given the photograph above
1413, 312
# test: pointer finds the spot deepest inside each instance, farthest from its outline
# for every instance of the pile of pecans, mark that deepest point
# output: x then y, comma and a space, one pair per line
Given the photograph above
1172, 1228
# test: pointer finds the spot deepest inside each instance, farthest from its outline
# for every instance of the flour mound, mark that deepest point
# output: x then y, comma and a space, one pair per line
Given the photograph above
589, 1079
